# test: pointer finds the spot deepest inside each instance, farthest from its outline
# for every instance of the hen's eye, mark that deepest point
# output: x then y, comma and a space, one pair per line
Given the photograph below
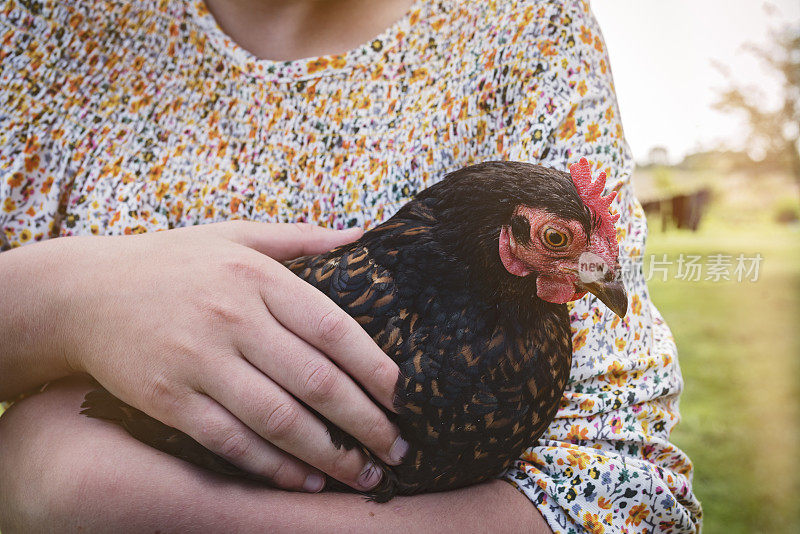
555, 239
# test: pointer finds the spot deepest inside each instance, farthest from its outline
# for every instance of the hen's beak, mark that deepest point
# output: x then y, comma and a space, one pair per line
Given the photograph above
611, 293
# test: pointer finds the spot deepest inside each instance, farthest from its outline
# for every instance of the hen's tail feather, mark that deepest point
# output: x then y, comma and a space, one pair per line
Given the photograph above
100, 404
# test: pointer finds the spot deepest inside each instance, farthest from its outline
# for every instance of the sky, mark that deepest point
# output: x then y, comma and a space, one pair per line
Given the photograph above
663, 55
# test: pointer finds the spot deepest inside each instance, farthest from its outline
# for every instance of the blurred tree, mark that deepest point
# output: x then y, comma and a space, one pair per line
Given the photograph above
774, 131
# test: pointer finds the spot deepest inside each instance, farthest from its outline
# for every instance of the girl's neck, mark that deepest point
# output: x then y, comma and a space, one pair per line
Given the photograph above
285, 30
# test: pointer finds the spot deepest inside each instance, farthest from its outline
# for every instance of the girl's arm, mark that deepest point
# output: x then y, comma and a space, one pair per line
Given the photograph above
100, 479
204, 329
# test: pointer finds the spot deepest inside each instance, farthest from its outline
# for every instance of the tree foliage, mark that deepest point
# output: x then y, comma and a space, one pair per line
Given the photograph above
774, 130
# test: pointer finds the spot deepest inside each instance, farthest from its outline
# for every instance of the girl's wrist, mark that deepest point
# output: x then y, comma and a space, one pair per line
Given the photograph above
33, 307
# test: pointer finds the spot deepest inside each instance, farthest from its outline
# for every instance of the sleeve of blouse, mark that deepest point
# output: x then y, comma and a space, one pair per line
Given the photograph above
605, 464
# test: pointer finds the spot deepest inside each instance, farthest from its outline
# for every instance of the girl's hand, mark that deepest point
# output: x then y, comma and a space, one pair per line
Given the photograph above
204, 329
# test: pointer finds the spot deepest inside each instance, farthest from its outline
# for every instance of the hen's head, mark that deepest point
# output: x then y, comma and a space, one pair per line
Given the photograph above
528, 228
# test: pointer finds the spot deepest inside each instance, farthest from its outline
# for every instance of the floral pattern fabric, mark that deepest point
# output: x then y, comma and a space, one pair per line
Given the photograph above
126, 117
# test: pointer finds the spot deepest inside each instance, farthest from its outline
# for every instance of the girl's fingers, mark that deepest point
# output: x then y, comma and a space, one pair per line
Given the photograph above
219, 431
305, 311
279, 418
285, 241
309, 375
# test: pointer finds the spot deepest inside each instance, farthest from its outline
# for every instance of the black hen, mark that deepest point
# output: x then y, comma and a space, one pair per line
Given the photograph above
464, 288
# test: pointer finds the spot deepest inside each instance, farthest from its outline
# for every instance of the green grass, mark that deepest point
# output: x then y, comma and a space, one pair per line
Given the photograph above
738, 344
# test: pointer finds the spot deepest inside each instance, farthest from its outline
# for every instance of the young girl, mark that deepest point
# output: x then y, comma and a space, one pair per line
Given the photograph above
124, 118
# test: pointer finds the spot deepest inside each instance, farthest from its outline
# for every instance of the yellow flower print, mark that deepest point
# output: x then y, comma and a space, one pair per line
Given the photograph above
593, 133
582, 87
419, 74
616, 425
261, 202
163, 189
9, 205
527, 15
616, 374
225, 181
586, 405
620, 343
591, 522
364, 103
604, 503
568, 128
586, 35
636, 304
15, 180
580, 339
480, 133
24, 235
32, 145
176, 210
338, 160
609, 113
338, 62
547, 48
32, 163
637, 514
235, 203
576, 433
138, 229
180, 187
272, 207
317, 65
531, 456
579, 459
598, 44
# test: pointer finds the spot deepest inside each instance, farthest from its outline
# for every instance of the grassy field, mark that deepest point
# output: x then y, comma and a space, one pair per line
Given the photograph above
739, 345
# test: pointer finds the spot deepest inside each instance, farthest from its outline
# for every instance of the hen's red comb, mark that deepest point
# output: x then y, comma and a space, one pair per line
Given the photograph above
591, 194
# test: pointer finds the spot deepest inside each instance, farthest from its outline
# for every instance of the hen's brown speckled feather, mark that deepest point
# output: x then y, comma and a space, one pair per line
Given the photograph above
483, 361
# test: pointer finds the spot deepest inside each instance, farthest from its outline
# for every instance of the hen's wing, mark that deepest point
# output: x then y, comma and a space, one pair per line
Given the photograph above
351, 278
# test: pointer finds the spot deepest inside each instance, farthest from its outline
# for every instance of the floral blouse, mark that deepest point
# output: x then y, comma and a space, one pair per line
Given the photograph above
124, 117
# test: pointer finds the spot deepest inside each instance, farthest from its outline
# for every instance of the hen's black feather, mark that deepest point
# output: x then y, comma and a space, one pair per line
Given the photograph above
483, 360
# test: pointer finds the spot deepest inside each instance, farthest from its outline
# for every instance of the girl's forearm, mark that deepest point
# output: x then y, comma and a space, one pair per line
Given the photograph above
99, 478
32, 346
